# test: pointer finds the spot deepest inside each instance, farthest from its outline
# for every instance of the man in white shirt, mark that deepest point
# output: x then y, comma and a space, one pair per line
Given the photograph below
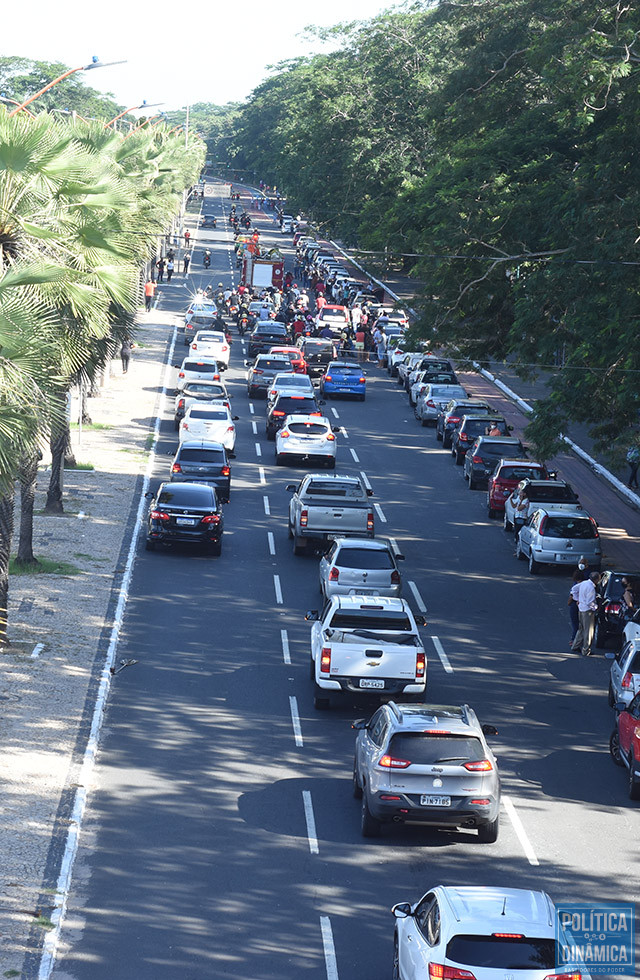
587, 606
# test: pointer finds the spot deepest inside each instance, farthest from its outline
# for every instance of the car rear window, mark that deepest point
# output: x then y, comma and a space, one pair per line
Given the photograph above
517, 473
334, 489
271, 329
193, 388
425, 749
364, 558
500, 449
307, 428
556, 494
348, 372
201, 367
201, 318
478, 427
189, 496
568, 527
207, 413
296, 404
201, 456
366, 619
292, 381
440, 391
495, 953
210, 335
634, 664
270, 364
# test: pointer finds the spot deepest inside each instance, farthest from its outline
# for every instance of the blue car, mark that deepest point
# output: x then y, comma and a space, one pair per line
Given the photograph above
344, 378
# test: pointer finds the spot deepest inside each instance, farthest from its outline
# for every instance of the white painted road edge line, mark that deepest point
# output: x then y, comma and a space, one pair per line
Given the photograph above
52, 937
286, 655
263, 479
37, 650
355, 455
335, 413
365, 480
380, 513
251, 407
295, 720
416, 595
258, 450
272, 542
267, 509
329, 948
254, 426
444, 660
276, 585
521, 833
311, 822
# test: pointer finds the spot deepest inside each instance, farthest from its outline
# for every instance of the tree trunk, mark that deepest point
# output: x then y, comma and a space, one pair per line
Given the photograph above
54, 492
6, 533
86, 418
27, 474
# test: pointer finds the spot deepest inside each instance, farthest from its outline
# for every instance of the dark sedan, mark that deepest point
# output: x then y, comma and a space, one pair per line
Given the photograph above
185, 512
287, 404
197, 461
612, 614
318, 354
266, 334
480, 461
452, 414
261, 374
472, 426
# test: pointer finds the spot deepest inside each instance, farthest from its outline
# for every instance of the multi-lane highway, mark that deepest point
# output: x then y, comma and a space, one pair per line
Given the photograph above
222, 839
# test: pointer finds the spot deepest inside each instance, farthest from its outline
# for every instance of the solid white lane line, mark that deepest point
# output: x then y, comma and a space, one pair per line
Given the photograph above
355, 455
267, 509
286, 655
365, 480
251, 409
335, 412
295, 721
416, 595
263, 479
444, 660
380, 513
311, 821
521, 833
276, 585
272, 542
394, 546
37, 650
254, 426
344, 432
258, 450
329, 948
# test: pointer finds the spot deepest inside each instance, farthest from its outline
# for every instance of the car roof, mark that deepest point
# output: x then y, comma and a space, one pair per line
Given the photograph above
173, 485
501, 440
522, 461
365, 601
305, 417
199, 444
484, 910
458, 719
370, 544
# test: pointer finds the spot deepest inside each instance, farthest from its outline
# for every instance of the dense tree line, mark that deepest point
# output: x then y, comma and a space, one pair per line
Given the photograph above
490, 149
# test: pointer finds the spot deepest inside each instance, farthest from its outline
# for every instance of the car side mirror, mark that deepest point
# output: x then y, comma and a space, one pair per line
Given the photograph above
291, 488
553, 475
620, 706
399, 557
336, 428
311, 616
421, 620
322, 402
369, 492
230, 454
360, 725
509, 428
489, 730
248, 363
235, 418
402, 910
148, 494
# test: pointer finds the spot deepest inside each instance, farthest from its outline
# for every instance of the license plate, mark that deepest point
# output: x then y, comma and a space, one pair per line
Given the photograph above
185, 520
564, 557
435, 801
371, 682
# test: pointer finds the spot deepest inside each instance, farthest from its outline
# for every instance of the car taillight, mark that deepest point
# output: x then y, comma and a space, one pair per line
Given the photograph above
627, 680
370, 521
328, 377
463, 437
476, 459
439, 972
279, 414
453, 419
224, 347
228, 404
543, 524
325, 660
431, 403
258, 371
389, 762
362, 381
613, 608
185, 425
181, 403
225, 471
480, 802
181, 374
211, 519
395, 578
563, 976
507, 935
284, 433
595, 528
194, 346
421, 665
159, 515
216, 377
176, 468
334, 575
304, 518
331, 437
231, 428
482, 765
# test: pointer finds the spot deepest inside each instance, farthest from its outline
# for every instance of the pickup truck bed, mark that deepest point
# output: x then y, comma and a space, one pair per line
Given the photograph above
323, 507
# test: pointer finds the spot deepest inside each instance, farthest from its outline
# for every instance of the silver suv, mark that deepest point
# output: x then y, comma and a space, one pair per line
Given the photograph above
427, 764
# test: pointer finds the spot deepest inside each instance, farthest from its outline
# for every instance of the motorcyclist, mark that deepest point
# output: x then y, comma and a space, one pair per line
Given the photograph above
220, 301
206, 259
219, 323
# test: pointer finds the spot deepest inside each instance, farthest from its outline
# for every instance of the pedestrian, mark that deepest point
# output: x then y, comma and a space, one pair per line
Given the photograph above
125, 355
160, 264
587, 606
149, 293
185, 263
633, 459
629, 595
187, 238
356, 315
170, 268
572, 602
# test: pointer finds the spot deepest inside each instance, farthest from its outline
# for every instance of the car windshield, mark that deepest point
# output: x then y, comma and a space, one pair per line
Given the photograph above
334, 489
555, 493
207, 413
307, 428
270, 330
201, 456
568, 527
425, 749
370, 620
295, 404
517, 472
373, 558
497, 953
187, 496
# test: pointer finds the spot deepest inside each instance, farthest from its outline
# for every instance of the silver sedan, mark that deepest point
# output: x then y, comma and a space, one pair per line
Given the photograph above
360, 566
433, 399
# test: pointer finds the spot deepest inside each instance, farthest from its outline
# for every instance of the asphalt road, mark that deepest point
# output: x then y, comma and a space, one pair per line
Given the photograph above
221, 839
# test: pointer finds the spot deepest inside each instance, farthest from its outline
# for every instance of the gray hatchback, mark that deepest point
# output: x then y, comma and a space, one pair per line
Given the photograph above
199, 461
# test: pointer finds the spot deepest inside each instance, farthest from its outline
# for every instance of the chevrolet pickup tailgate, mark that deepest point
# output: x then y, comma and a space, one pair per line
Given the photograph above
373, 661
339, 518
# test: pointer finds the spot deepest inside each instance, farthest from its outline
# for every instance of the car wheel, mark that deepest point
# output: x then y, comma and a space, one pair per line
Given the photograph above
362, 397
439, 436
425, 422
491, 513
396, 960
357, 788
459, 458
614, 747
312, 671
534, 566
488, 832
611, 696
150, 545
299, 545
216, 548
599, 636
289, 528
520, 555
369, 826
176, 425
331, 463
634, 782
472, 483
320, 703
506, 523
446, 441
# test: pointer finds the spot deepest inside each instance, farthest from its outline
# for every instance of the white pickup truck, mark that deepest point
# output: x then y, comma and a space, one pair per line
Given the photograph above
324, 507
366, 645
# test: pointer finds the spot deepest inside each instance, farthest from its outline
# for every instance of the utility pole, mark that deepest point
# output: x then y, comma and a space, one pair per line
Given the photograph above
186, 130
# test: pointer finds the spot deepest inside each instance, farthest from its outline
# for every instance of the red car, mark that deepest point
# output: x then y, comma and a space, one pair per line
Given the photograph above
505, 479
624, 743
295, 355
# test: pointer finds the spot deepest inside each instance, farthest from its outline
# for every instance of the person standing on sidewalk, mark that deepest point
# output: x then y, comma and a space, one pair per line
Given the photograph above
125, 355
572, 602
160, 264
149, 293
633, 459
587, 606
185, 263
187, 238
170, 268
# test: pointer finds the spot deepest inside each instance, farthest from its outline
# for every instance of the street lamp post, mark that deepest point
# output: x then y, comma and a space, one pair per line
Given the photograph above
143, 105
3, 98
94, 63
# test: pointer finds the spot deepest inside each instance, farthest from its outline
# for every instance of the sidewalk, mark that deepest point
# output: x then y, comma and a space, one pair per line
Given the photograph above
58, 625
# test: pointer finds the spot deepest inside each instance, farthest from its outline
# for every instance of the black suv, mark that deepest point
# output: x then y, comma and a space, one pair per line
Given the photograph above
289, 405
468, 430
318, 354
480, 461
266, 334
185, 512
198, 461
611, 614
452, 414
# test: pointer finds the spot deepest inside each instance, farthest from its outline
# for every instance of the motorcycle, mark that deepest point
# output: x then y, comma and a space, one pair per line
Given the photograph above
206, 261
243, 323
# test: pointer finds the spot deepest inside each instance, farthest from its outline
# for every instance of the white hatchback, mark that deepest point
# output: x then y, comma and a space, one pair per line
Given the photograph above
309, 437
200, 369
209, 422
211, 343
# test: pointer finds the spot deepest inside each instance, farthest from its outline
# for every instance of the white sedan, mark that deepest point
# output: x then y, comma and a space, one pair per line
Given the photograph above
211, 343
308, 437
209, 422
